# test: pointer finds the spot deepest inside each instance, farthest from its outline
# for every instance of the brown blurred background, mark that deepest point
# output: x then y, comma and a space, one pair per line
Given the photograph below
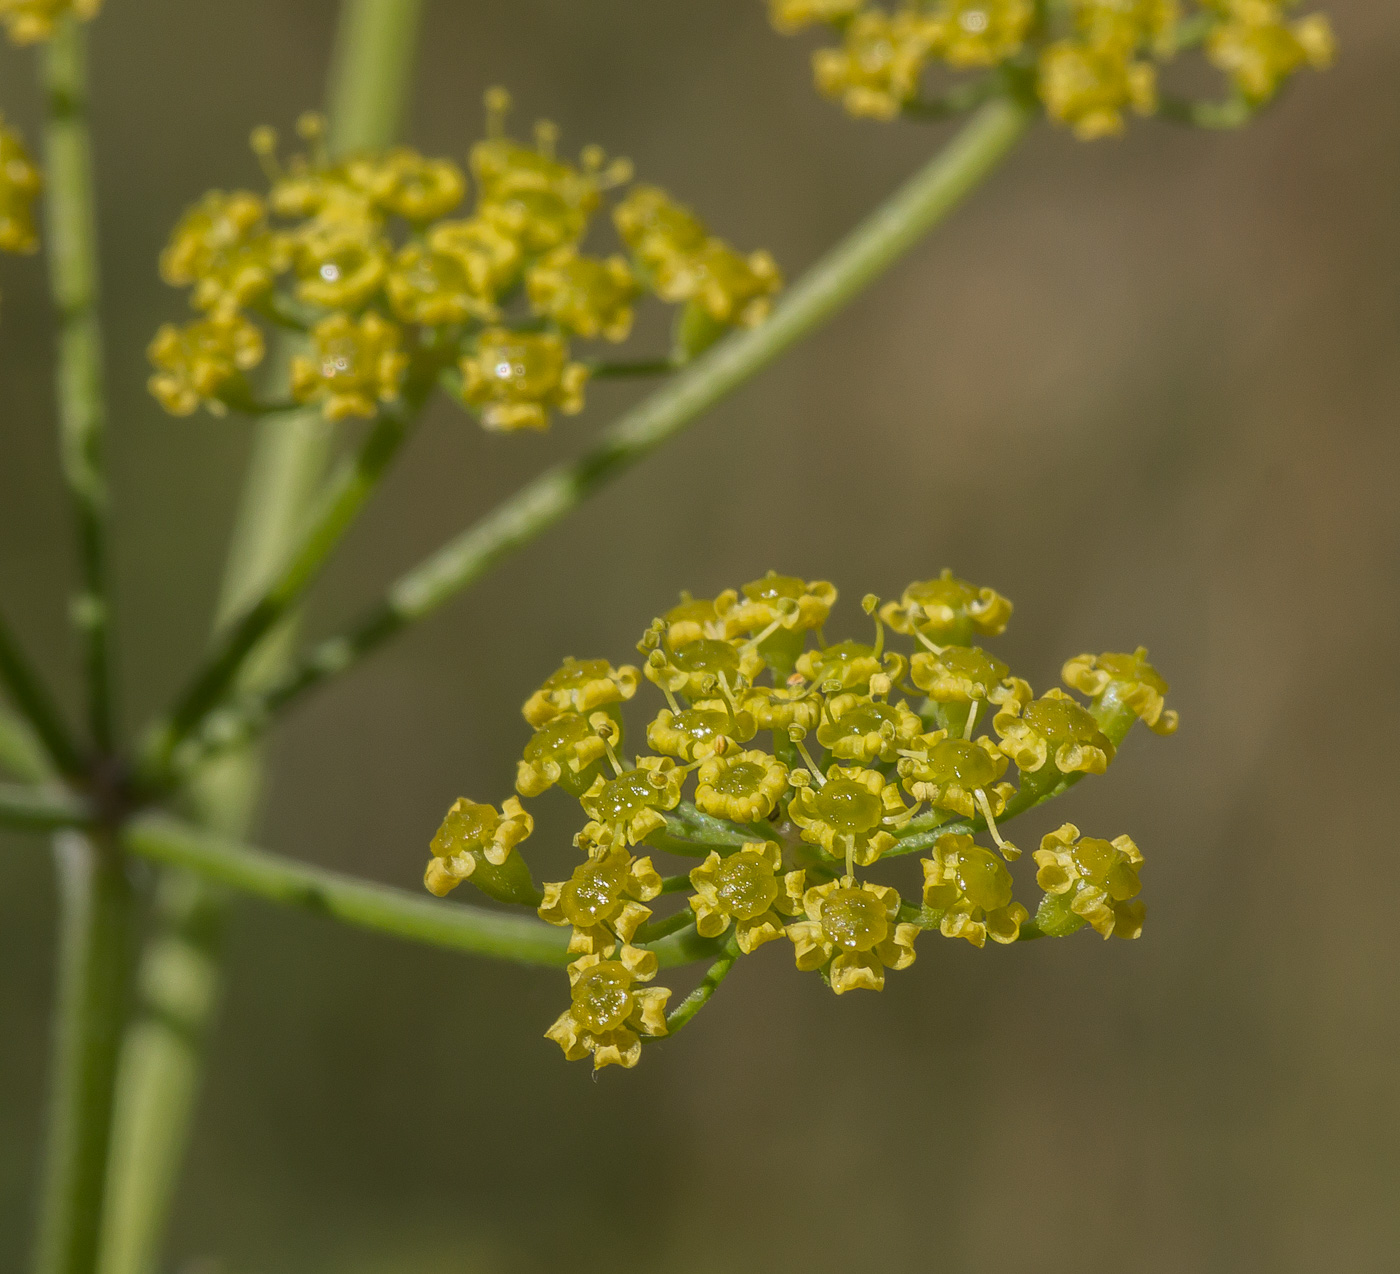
1146, 388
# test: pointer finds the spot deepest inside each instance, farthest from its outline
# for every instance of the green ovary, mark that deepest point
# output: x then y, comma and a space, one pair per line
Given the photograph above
592, 891
854, 919
601, 998
745, 885
848, 806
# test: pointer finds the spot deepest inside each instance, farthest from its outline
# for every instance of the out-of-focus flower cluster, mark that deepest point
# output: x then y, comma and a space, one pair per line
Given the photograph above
789, 767
398, 282
20, 183
29, 21
1090, 62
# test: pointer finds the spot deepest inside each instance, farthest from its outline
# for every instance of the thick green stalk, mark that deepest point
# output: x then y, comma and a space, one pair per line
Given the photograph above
71, 242
371, 72
32, 701
94, 957
850, 267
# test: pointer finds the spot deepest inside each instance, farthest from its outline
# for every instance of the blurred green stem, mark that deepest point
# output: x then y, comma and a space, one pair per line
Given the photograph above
21, 753
27, 808
880, 240
71, 241
33, 703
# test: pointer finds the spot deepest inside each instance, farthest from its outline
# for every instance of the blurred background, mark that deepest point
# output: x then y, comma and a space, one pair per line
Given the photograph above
1146, 388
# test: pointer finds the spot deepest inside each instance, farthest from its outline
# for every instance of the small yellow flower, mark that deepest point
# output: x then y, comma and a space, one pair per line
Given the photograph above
433, 288
949, 773
29, 21
958, 674
980, 32
588, 296
858, 728
1088, 86
876, 72
854, 930
1120, 681
784, 608
849, 665
948, 611
849, 814
1053, 728
199, 362
581, 686
567, 751
340, 264
1129, 24
727, 286
223, 246
792, 15
473, 834
406, 184
602, 900
490, 258
516, 377
608, 1013
741, 786
745, 889
629, 806
699, 669
697, 617
1258, 48
1089, 879
972, 888
20, 183
707, 729
353, 366
774, 708
661, 234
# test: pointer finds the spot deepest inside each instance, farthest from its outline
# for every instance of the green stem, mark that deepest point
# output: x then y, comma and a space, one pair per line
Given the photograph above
40, 809
372, 70
94, 959
709, 984
850, 267
73, 279
339, 503
21, 753
32, 700
383, 908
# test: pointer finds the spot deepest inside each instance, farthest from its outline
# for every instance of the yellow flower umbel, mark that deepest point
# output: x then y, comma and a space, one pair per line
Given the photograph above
20, 183
567, 751
1087, 86
848, 814
948, 611
581, 686
747, 890
1259, 48
971, 887
629, 807
352, 368
585, 295
471, 836
876, 71
1087, 879
860, 728
602, 900
854, 932
224, 248
514, 378
741, 786
1120, 683
29, 21
202, 362
980, 32
1054, 729
608, 1012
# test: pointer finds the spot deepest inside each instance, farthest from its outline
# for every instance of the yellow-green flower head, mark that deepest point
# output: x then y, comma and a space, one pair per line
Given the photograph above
958, 674
792, 15
490, 257
1129, 24
849, 665
1089, 879
567, 751
580, 686
781, 708
854, 931
1088, 86
433, 288
29, 21
608, 1012
470, 834
697, 617
948, 773
1258, 48
1053, 728
340, 263
972, 888
728, 286
1128, 681
876, 71
406, 184
602, 900
848, 815
354, 365
661, 234
588, 296
948, 611
741, 786
795, 604
980, 32
699, 669
199, 362
223, 246
709, 728
515, 378
858, 728
630, 805
20, 183
745, 889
